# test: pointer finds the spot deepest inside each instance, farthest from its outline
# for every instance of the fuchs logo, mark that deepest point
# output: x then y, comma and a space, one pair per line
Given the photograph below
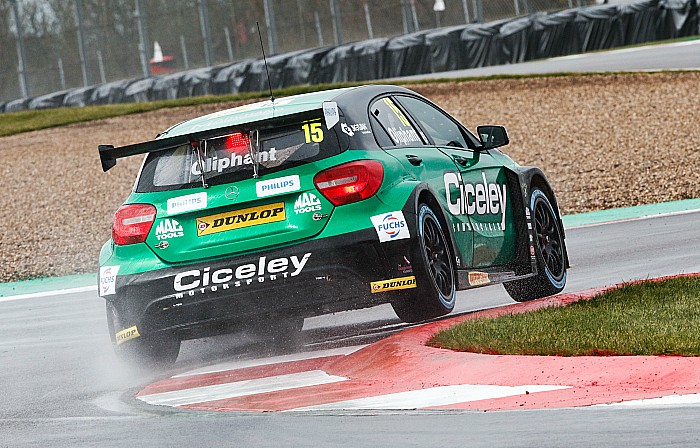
202, 281
108, 280
219, 164
393, 284
487, 198
391, 226
169, 228
307, 202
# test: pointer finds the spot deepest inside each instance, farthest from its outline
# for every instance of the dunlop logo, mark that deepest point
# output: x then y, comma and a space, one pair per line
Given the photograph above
239, 219
127, 335
393, 284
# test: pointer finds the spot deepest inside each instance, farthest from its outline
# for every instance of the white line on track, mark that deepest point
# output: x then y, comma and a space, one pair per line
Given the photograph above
434, 396
668, 400
303, 356
241, 388
57, 292
637, 218
625, 50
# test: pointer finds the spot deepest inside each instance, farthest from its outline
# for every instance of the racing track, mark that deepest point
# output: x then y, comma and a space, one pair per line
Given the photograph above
60, 383
683, 55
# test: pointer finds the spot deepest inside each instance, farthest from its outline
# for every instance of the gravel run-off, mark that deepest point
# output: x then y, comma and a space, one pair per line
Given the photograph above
604, 141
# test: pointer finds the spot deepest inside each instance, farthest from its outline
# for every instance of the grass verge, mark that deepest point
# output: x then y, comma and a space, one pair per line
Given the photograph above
648, 318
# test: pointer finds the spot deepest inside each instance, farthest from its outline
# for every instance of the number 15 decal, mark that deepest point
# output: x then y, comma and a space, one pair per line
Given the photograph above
313, 132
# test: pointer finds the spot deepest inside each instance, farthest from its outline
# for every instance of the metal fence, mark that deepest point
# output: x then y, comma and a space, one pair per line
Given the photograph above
52, 45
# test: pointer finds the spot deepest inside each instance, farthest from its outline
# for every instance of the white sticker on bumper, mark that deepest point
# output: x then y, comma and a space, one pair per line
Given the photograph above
391, 226
108, 280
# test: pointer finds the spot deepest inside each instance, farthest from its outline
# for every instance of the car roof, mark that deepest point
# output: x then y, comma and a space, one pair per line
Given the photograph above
264, 110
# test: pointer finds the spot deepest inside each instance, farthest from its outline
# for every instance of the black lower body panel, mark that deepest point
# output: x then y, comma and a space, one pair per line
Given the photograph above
307, 279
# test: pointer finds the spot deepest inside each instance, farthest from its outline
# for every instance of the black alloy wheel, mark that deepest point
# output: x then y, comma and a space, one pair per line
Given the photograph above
549, 252
435, 293
549, 239
437, 256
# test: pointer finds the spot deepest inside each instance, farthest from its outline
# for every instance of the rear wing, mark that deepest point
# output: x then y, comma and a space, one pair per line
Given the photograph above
109, 154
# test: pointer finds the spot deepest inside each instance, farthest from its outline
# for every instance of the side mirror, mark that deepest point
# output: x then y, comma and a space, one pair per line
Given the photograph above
493, 136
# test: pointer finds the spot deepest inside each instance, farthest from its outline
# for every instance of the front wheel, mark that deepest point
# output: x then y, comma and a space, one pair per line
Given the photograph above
549, 252
147, 351
435, 293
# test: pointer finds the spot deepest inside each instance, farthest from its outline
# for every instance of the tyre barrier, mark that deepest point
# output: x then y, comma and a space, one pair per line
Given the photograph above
536, 36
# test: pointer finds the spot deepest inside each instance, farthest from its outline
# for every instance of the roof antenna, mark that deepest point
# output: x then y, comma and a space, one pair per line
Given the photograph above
269, 83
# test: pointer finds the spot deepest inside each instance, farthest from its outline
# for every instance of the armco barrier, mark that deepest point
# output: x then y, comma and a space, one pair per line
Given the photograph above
536, 36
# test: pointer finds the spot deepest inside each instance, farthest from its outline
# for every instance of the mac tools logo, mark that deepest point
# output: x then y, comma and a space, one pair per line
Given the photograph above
307, 202
487, 198
391, 226
169, 228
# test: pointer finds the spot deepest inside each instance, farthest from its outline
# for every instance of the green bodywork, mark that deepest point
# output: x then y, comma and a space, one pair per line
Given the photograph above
483, 239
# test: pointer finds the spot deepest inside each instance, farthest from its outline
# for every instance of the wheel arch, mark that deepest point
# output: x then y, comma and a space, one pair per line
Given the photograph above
533, 177
423, 193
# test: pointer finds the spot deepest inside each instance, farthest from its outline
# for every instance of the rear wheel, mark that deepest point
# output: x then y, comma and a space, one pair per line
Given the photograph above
435, 292
549, 251
150, 351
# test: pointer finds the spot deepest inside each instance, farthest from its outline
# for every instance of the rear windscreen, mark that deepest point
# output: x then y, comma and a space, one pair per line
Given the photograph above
230, 157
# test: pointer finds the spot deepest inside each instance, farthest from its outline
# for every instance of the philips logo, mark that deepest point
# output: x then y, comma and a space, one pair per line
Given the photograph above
277, 186
188, 203
391, 226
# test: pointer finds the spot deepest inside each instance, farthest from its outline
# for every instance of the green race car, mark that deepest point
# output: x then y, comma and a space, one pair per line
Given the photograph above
259, 216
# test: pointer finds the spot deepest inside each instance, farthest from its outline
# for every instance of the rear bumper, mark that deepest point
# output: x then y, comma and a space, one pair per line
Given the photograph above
307, 279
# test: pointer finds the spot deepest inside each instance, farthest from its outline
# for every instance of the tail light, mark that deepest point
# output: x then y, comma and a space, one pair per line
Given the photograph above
350, 182
132, 223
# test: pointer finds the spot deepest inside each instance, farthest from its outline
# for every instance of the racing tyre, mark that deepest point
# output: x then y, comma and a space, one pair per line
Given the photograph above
148, 351
435, 293
549, 252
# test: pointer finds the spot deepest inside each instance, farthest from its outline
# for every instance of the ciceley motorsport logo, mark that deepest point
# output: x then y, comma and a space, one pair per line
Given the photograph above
487, 198
202, 281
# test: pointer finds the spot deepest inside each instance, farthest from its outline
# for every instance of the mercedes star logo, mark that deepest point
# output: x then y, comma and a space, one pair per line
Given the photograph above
231, 193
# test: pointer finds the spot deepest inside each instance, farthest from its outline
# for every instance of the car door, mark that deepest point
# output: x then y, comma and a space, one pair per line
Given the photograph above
477, 188
400, 137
